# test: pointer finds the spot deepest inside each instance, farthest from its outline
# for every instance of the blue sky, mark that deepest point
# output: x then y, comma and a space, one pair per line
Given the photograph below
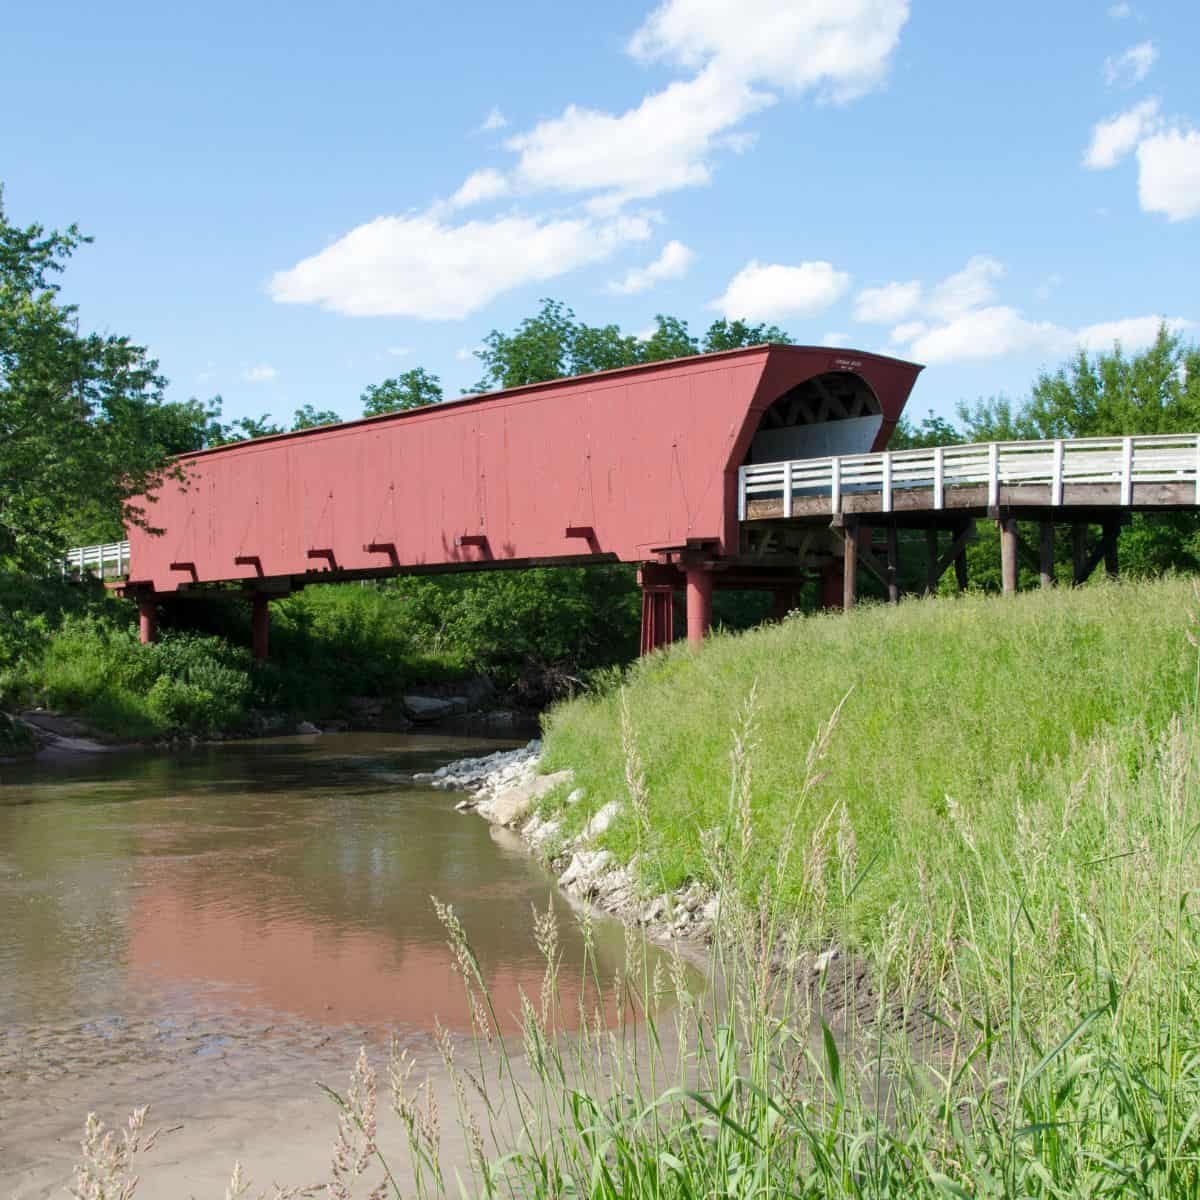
292, 201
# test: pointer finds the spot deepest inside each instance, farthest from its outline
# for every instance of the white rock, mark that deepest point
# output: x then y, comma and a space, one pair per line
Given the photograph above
577, 795
544, 832
584, 871
601, 821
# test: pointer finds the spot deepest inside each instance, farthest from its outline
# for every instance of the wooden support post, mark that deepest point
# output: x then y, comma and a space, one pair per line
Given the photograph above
893, 565
961, 577
932, 574
1008, 554
147, 620
1079, 553
850, 565
1105, 550
699, 604
956, 554
1111, 532
260, 624
1046, 554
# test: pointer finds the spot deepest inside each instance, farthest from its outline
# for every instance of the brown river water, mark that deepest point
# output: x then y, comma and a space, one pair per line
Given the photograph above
213, 930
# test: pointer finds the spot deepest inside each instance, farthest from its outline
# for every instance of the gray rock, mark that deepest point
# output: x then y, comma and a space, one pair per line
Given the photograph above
428, 708
514, 801
307, 727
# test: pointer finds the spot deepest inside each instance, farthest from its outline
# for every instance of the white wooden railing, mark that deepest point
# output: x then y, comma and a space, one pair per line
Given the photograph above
103, 561
1158, 458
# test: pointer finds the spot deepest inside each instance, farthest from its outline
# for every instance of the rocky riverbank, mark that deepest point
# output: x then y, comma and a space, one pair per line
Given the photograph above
506, 789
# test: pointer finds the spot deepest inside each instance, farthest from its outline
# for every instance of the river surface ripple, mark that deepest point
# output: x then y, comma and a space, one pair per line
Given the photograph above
212, 930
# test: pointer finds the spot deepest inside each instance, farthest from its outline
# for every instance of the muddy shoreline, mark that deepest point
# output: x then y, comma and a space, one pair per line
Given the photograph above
55, 737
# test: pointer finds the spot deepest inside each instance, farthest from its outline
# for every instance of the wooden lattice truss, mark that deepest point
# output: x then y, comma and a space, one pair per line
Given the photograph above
837, 396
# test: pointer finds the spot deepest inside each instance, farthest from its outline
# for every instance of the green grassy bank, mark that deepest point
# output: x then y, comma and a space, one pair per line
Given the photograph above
1000, 825
955, 714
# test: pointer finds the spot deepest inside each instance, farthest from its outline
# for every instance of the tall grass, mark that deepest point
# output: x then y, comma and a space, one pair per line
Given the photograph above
961, 713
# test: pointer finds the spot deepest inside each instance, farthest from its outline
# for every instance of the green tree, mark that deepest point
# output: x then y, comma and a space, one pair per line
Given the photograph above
670, 339
1112, 394
312, 418
602, 348
732, 335
84, 428
542, 347
995, 420
414, 389
244, 429
929, 431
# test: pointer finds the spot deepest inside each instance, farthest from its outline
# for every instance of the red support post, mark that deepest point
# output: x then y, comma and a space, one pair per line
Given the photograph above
699, 604
260, 620
658, 617
147, 620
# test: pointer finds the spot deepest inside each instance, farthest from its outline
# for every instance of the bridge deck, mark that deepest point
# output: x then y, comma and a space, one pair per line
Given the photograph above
1038, 479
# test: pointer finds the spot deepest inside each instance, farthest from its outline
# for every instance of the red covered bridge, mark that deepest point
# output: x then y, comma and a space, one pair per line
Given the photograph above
637, 465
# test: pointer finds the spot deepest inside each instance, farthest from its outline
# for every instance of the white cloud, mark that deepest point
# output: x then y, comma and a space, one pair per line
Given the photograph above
1134, 333
986, 333
962, 322
840, 47
263, 373
672, 263
494, 120
484, 184
769, 291
909, 331
1169, 174
467, 353
665, 143
422, 266
1131, 67
887, 304
1120, 11
399, 351
840, 340
1113, 139
969, 288
997, 330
